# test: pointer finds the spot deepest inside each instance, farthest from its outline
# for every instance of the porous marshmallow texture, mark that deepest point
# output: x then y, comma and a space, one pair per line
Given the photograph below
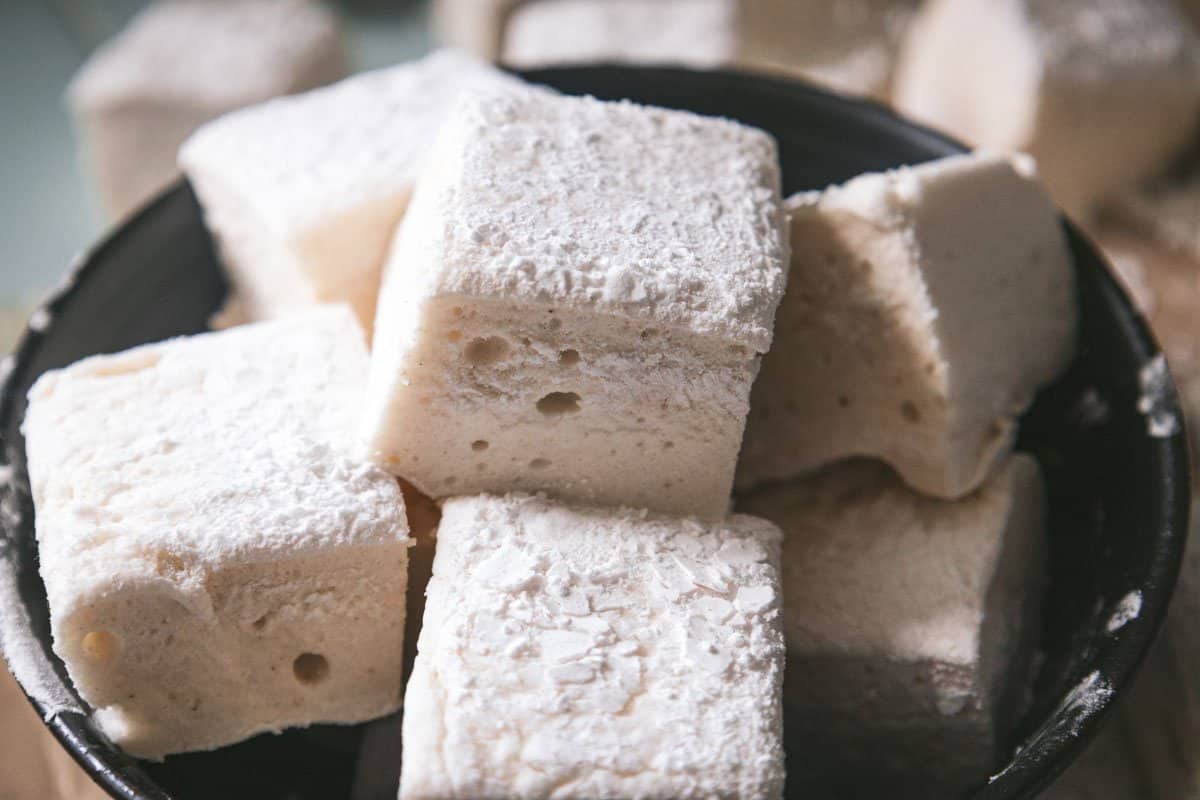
1102, 92
575, 652
909, 624
925, 307
182, 63
576, 301
303, 194
217, 562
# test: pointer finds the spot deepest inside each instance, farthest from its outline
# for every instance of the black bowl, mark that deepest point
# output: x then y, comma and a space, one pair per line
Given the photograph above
1118, 495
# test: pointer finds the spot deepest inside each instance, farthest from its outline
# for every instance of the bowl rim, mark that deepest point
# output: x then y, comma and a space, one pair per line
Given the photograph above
1026, 773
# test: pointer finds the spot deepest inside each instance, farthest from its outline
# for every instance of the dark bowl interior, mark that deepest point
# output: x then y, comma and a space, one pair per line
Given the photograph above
1118, 496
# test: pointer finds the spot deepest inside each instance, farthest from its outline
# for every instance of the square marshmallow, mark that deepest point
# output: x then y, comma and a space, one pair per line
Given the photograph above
576, 301
181, 63
698, 33
1102, 92
925, 307
216, 563
909, 622
303, 194
580, 653
849, 45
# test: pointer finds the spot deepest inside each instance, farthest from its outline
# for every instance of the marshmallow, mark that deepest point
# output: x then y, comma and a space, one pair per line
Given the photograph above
849, 45
476, 26
216, 563
909, 622
582, 653
181, 63
696, 33
575, 302
1101, 92
304, 193
925, 307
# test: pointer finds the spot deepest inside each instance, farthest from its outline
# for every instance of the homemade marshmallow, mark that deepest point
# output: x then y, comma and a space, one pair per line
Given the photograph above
908, 623
303, 194
696, 33
181, 63
925, 307
575, 302
849, 45
580, 653
1101, 92
216, 563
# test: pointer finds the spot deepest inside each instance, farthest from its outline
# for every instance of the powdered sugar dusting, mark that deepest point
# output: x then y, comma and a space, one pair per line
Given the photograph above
40, 320
1085, 699
650, 629
1154, 402
1127, 609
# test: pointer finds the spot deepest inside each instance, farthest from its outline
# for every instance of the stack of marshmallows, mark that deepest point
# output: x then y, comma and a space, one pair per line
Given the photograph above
549, 313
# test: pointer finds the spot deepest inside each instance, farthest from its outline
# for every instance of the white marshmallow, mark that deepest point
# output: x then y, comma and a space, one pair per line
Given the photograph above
697, 33
909, 622
849, 45
1101, 92
925, 307
304, 193
574, 302
181, 63
216, 563
581, 653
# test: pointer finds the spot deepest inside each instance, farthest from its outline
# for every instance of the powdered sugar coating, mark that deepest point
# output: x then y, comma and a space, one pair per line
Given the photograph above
210, 53
883, 348
304, 193
217, 562
698, 33
1092, 39
874, 567
573, 653
1104, 93
299, 159
228, 447
644, 212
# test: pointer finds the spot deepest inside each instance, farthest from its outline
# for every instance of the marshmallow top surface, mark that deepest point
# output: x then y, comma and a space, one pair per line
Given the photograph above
699, 33
658, 635
613, 207
217, 52
302, 159
224, 447
1090, 38
872, 567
